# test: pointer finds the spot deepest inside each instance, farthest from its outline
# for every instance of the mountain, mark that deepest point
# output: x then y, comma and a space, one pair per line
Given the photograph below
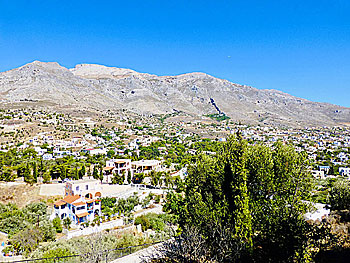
89, 86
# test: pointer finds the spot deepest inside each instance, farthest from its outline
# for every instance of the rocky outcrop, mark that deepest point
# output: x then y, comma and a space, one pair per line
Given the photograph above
107, 88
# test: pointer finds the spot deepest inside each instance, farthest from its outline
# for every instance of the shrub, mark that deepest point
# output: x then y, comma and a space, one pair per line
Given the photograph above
339, 195
57, 223
143, 220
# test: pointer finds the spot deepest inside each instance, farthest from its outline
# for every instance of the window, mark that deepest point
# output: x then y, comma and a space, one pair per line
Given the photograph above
87, 187
77, 188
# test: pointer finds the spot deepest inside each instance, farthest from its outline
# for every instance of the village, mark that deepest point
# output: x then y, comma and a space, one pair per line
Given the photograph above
83, 164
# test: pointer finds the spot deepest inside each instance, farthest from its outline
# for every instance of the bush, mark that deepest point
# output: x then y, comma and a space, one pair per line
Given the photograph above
143, 221
90, 246
157, 199
57, 223
67, 222
339, 195
48, 231
153, 221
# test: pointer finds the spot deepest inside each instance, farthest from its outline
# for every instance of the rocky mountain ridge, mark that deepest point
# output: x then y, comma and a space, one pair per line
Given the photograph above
90, 86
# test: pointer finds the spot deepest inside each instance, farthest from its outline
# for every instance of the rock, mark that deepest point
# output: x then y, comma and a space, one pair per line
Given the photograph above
108, 88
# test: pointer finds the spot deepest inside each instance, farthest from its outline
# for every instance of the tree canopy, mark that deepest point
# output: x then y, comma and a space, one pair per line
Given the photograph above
248, 202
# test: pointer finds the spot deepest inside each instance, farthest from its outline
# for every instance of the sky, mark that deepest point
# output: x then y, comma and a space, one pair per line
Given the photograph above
299, 47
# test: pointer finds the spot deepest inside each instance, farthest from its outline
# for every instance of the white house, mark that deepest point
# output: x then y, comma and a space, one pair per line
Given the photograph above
89, 188
117, 166
318, 174
40, 151
47, 156
81, 202
145, 166
95, 151
343, 157
343, 171
324, 168
79, 209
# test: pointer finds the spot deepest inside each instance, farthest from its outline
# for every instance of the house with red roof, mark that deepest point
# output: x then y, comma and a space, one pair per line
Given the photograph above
82, 201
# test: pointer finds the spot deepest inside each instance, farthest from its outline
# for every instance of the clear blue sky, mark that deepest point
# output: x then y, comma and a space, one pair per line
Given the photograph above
300, 47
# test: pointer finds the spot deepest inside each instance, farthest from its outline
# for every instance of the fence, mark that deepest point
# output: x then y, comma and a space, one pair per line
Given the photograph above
90, 230
93, 257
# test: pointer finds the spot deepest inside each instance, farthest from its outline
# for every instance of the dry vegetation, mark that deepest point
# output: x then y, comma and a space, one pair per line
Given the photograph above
22, 194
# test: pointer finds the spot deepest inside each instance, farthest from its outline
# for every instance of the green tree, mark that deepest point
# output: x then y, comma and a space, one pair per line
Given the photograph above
57, 223
76, 174
7, 175
27, 175
82, 172
41, 167
129, 177
56, 171
110, 153
117, 179
138, 178
247, 202
64, 172
26, 240
57, 252
143, 221
88, 173
100, 176
46, 177
48, 231
95, 173
35, 172
146, 201
339, 195
67, 222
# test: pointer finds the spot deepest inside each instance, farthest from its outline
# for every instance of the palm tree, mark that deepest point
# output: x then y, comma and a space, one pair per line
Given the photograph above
67, 222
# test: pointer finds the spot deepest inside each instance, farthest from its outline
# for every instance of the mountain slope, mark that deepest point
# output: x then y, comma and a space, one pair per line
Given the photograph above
106, 88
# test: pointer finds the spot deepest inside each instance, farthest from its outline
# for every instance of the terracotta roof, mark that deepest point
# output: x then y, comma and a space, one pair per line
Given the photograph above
79, 204
108, 168
120, 161
82, 214
70, 198
90, 201
59, 203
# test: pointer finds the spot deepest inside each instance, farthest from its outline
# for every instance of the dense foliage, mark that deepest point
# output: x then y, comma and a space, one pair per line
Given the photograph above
89, 247
111, 206
27, 226
153, 221
339, 195
26, 163
247, 203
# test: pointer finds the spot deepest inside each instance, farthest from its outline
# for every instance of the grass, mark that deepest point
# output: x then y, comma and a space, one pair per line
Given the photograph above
218, 117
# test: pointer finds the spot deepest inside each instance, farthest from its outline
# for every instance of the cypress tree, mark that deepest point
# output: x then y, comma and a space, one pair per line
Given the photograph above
76, 174
101, 175
95, 173
83, 170
35, 172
